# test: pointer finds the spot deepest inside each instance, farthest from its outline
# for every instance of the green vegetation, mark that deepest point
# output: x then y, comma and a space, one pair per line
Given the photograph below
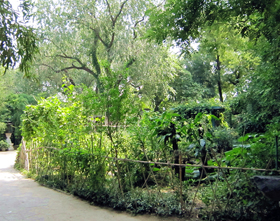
3, 145
109, 111
17, 40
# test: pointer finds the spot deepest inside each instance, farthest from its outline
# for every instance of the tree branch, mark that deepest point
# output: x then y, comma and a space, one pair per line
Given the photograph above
72, 67
114, 20
57, 46
112, 40
57, 71
120, 11
83, 66
97, 34
109, 8
72, 58
134, 32
85, 69
94, 30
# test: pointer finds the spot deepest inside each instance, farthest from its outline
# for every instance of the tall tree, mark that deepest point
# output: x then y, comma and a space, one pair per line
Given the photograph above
217, 25
100, 39
182, 20
200, 68
230, 55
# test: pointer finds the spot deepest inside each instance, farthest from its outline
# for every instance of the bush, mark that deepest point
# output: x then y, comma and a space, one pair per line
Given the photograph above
2, 127
4, 145
224, 138
245, 202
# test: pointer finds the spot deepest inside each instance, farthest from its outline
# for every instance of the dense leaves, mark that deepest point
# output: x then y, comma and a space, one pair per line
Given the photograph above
17, 40
109, 85
182, 20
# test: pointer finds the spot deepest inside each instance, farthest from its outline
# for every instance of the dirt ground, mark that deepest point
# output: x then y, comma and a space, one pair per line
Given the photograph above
24, 199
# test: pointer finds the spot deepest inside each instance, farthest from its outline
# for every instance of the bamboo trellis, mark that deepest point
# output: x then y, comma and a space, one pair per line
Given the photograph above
29, 155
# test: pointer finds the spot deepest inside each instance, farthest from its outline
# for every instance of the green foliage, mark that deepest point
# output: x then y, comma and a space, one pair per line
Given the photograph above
224, 138
237, 52
185, 88
4, 145
243, 201
254, 150
199, 66
109, 46
78, 140
15, 105
191, 109
18, 42
182, 20
111, 75
2, 127
73, 165
83, 133
136, 202
83, 174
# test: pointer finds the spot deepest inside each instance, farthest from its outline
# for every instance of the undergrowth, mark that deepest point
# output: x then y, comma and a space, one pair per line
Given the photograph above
137, 201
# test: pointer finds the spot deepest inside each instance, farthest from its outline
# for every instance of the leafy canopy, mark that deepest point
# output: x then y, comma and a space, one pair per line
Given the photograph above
182, 20
17, 40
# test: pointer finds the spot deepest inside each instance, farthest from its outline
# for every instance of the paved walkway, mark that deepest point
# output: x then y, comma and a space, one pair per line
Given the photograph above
24, 199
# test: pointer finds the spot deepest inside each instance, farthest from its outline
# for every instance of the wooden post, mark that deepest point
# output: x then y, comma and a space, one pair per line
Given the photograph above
181, 182
276, 146
25, 155
218, 68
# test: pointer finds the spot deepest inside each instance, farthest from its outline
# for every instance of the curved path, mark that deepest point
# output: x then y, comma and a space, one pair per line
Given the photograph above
24, 199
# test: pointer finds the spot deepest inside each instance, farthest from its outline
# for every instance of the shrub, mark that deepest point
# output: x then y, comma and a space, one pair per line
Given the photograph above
224, 138
4, 145
245, 202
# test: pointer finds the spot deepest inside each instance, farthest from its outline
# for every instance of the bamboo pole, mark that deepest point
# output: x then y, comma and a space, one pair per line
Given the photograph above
176, 164
181, 183
276, 147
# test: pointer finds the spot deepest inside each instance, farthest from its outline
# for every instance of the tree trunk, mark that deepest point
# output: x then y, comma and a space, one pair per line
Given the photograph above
157, 102
178, 171
218, 68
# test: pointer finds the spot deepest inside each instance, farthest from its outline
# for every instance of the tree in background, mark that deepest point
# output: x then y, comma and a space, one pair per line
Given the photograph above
182, 20
15, 93
89, 42
248, 68
229, 56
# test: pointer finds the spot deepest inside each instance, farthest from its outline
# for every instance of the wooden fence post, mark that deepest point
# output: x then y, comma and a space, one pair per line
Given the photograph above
24, 154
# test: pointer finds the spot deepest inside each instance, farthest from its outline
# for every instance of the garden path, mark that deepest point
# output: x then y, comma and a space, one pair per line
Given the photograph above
24, 199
